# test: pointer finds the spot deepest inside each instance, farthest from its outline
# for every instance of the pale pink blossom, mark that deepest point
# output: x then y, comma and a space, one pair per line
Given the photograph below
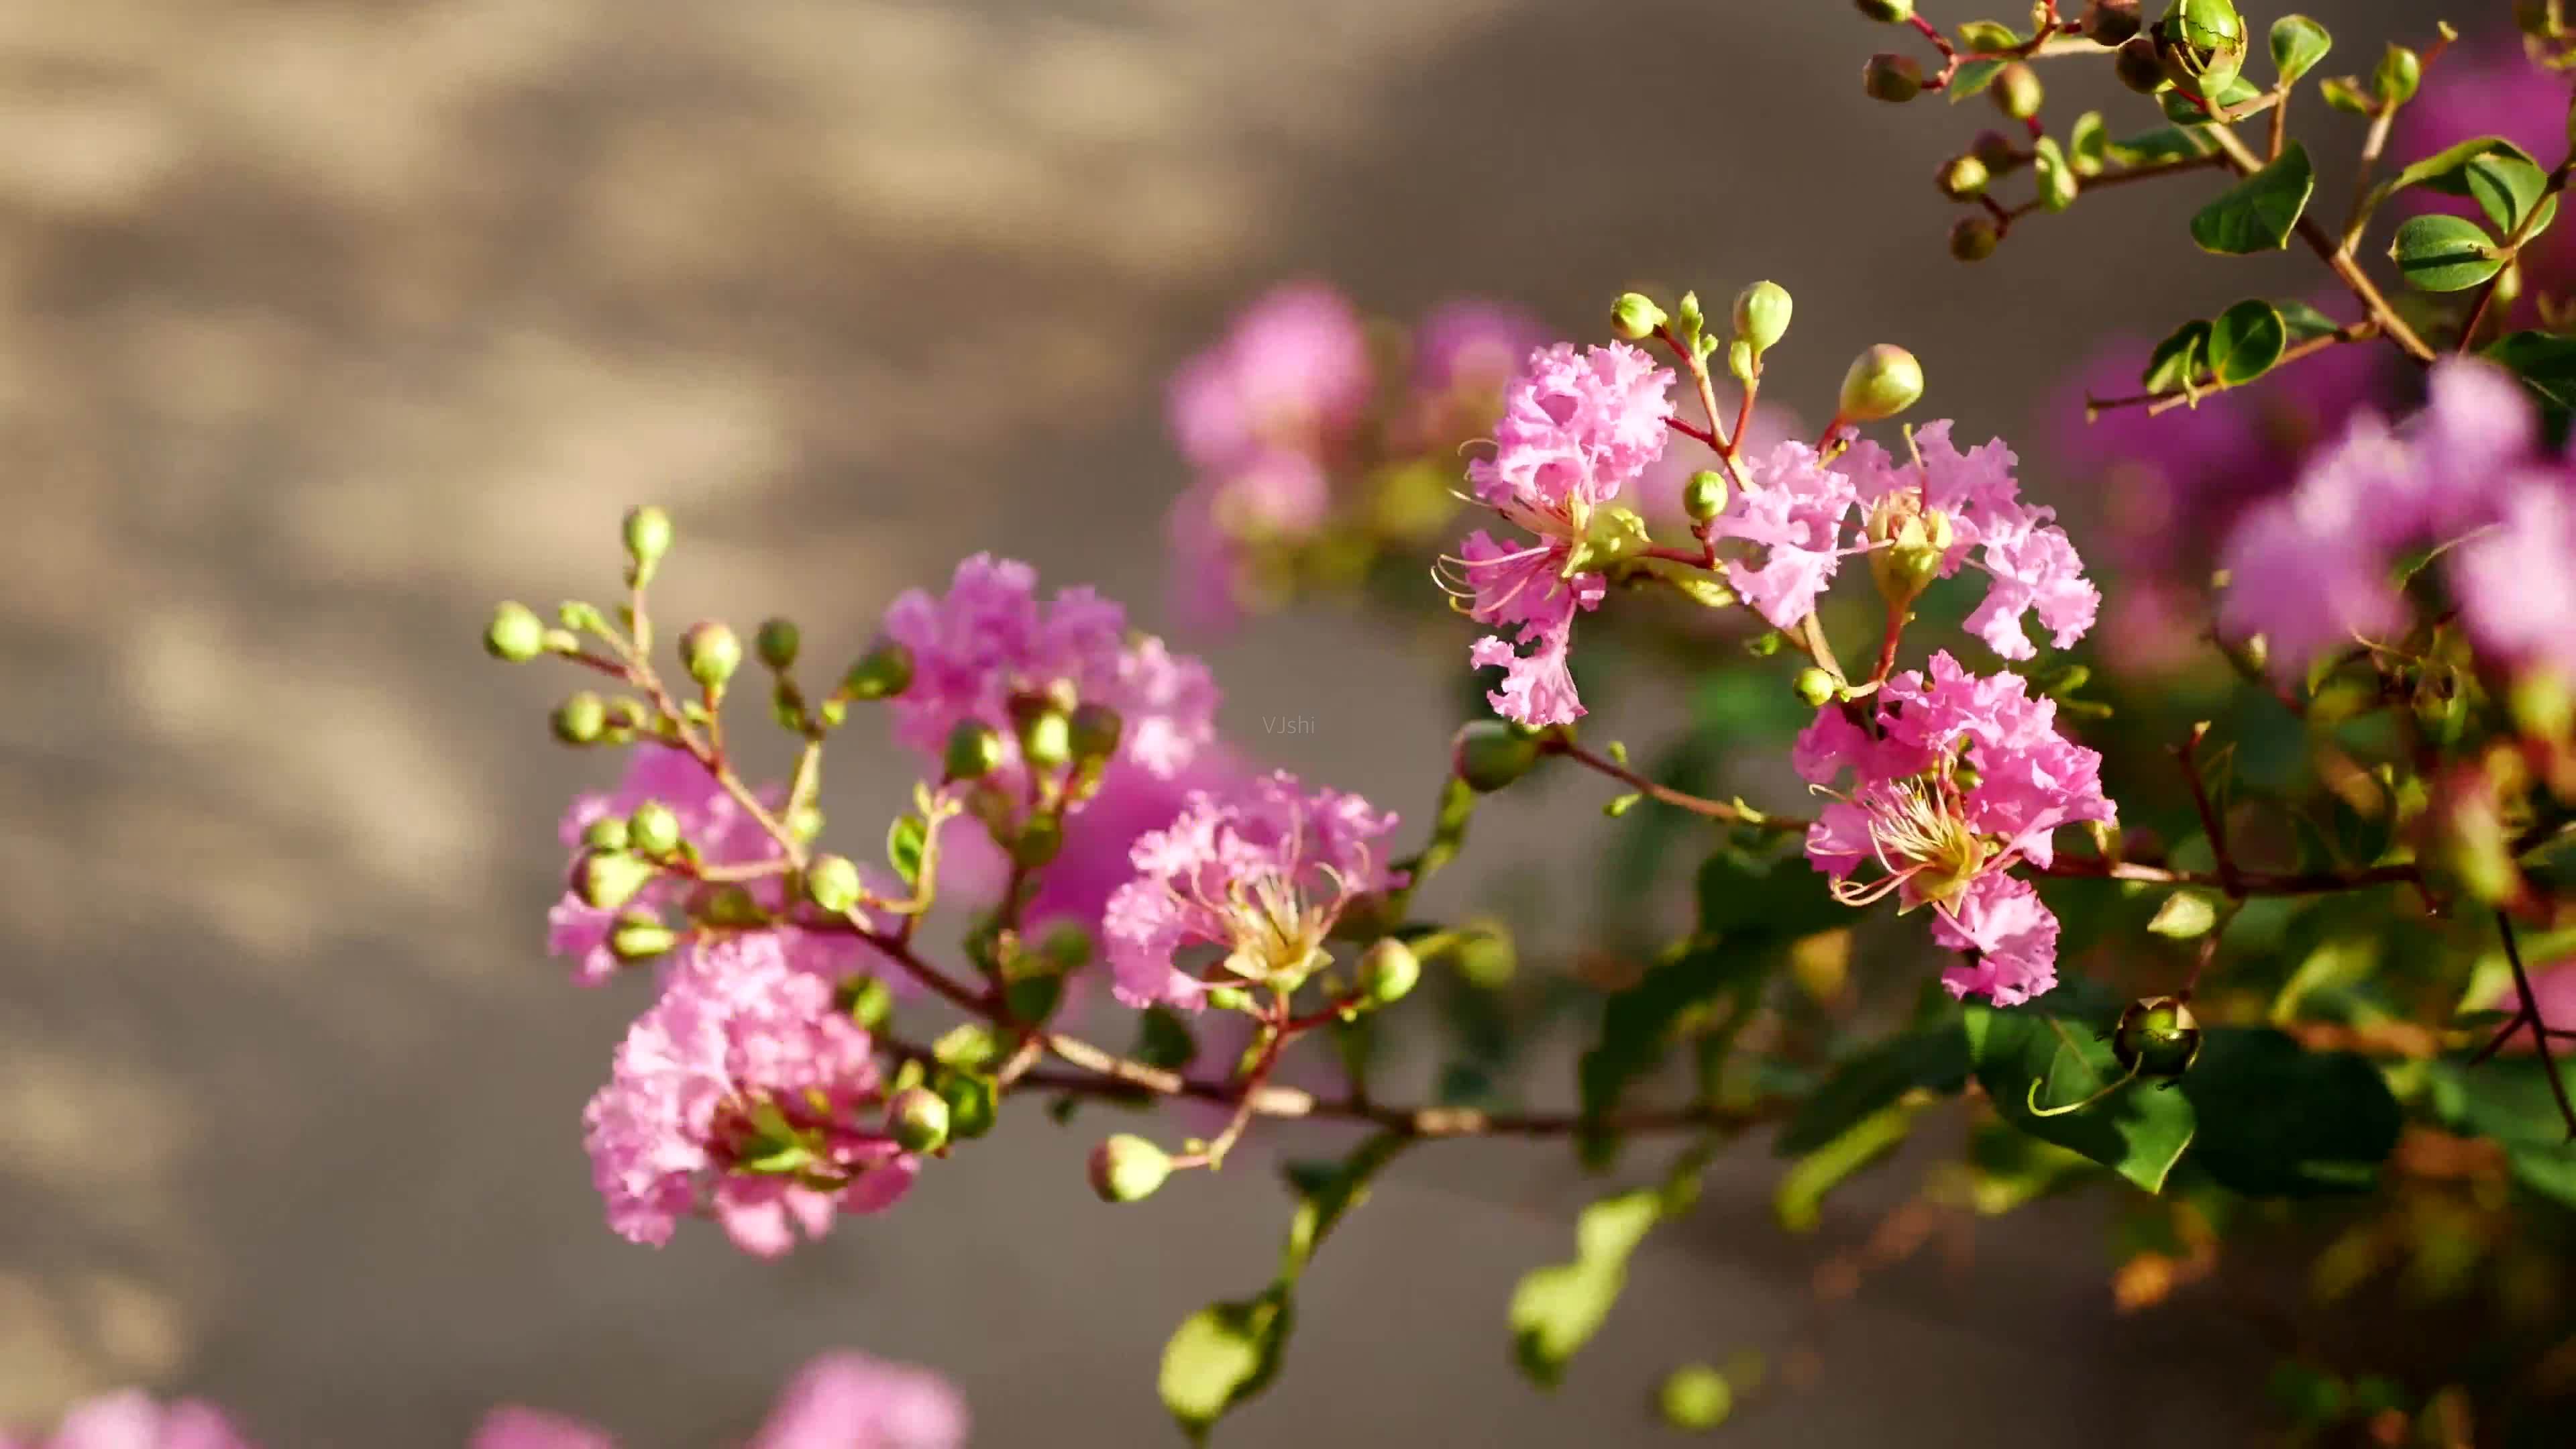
1576, 427
512, 1427
990, 638
848, 1400
1261, 875
1291, 374
743, 1094
133, 1419
1945, 837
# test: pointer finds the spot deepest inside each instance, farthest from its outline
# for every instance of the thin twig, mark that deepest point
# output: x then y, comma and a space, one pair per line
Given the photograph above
2539, 1026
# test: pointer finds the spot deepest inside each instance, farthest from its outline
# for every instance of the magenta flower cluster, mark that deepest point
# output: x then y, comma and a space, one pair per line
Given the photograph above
2317, 568
1946, 837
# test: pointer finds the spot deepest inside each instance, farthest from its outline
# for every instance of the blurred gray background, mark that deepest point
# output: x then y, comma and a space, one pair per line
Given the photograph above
324, 323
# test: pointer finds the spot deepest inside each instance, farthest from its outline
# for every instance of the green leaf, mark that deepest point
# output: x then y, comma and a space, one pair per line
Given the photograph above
2184, 916
1556, 1309
1222, 1355
2544, 361
1935, 1058
2245, 341
1638, 1025
2183, 113
2305, 321
1973, 76
2088, 146
1227, 1352
2259, 213
2137, 1131
2443, 170
1163, 1039
2165, 143
1799, 1202
2505, 187
2277, 1121
905, 841
1984, 37
2298, 43
2056, 179
2444, 253
2179, 359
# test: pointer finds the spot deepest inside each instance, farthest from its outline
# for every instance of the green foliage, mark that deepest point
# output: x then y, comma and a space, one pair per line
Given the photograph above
2258, 213
2183, 112
2165, 143
1973, 76
2508, 1099
2244, 342
906, 839
1799, 1201
1934, 1058
2277, 1121
2545, 361
2054, 1046
2178, 360
1556, 1309
1227, 1352
2444, 253
2298, 43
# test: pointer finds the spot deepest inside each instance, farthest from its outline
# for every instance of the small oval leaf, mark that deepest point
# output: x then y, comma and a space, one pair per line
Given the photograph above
2444, 253
2258, 213
2298, 43
2245, 341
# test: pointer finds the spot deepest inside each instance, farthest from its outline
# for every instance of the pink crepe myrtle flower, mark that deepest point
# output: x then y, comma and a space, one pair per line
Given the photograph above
1292, 374
2312, 569
1795, 508
1945, 837
742, 1094
2030, 564
840, 1400
1260, 875
1220, 527
725, 834
1472, 345
1576, 427
849, 1400
990, 638
133, 1419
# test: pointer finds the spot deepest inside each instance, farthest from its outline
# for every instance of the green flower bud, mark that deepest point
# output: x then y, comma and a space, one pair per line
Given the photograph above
832, 882
1762, 315
654, 829
2400, 72
711, 653
1229, 998
515, 634
1815, 687
608, 832
1974, 238
1704, 496
974, 750
1387, 971
1096, 731
1127, 1168
2140, 65
1962, 178
2157, 1037
1912, 546
1892, 77
1882, 382
881, 673
580, 719
641, 936
1489, 755
2202, 45
2112, 22
1046, 738
1695, 1397
1888, 12
777, 642
648, 538
733, 904
1634, 317
2017, 91
1997, 152
608, 879
1739, 360
1066, 946
1038, 842
917, 1119
971, 1103
865, 1000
